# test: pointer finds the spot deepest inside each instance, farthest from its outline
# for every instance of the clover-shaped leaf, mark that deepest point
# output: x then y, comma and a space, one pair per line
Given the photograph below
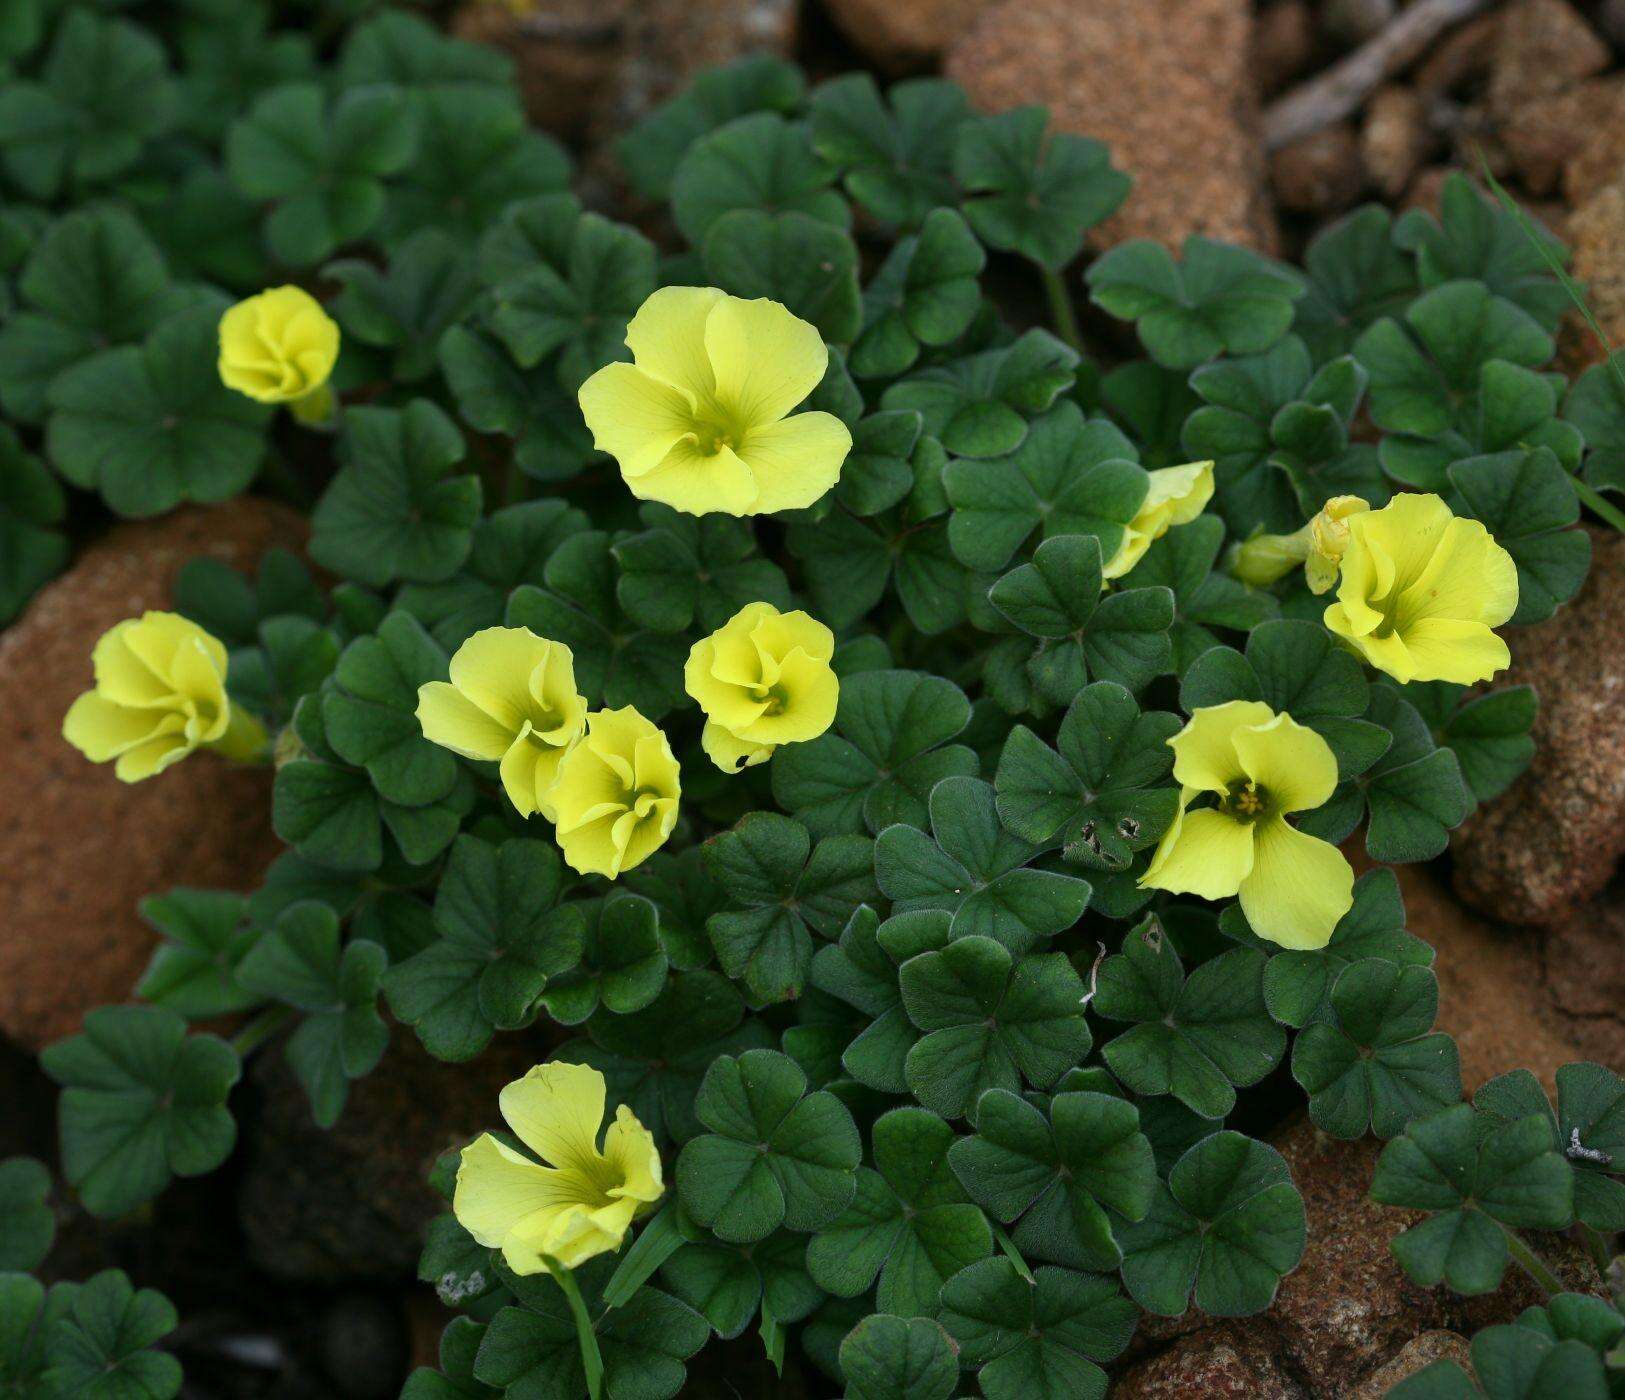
807, 264
102, 1341
1058, 1172
392, 512
1476, 1180
989, 1021
31, 505
775, 1155
971, 868
730, 1284
887, 749
193, 971
759, 161
141, 1101
1375, 1066
1356, 276
1595, 405
1514, 1362
622, 963
1216, 299
894, 1358
925, 294
397, 46
1037, 1338
1205, 598
1102, 788
687, 570
27, 1222
459, 1345
1229, 1223
1488, 733
910, 1222
789, 889
501, 934
427, 286
1200, 1037
1030, 195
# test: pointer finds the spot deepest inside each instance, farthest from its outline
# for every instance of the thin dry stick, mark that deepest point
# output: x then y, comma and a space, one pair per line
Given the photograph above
1340, 90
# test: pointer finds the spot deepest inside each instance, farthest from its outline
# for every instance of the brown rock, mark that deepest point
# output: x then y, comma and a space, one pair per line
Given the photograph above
1321, 173
351, 1202
1354, 21
1597, 235
1394, 138
81, 848
1570, 136
1599, 160
1541, 47
1409, 1359
902, 35
1459, 60
1585, 976
1549, 843
1226, 1362
1283, 44
1167, 87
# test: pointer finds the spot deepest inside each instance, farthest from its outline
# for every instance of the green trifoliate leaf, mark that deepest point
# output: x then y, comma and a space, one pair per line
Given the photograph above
888, 748
989, 1022
1421, 369
194, 970
1591, 1135
208, 229
894, 1358
616, 663
1489, 734
1199, 1038
685, 570
395, 46
323, 161
653, 1059
1474, 1178
228, 59
1205, 598
1058, 1173
1375, 1066
141, 1101
784, 890
775, 1155
501, 934
1228, 1222
1030, 195
299, 962
980, 406
1067, 477
152, 426
654, 148
1577, 1317
459, 1345
27, 1222
925, 294
685, 895
224, 602
31, 503
758, 161
1217, 299
971, 868
102, 92
392, 511
1513, 1362
1102, 789
31, 1315
1356, 276
896, 153
1475, 237
878, 471
1150, 402
102, 1343
910, 1223
1036, 1340
1527, 502
803, 262
1595, 405
475, 155
405, 307
729, 1285
622, 964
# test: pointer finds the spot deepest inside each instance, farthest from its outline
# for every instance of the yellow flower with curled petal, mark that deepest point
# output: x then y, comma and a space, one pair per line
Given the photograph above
1319, 546
511, 698
701, 417
280, 347
160, 693
1258, 766
580, 1200
615, 796
763, 679
1176, 496
1421, 591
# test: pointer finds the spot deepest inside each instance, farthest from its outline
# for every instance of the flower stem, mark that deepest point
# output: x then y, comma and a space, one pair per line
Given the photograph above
260, 1029
1594, 498
1596, 1244
661, 1238
1532, 1264
772, 1338
592, 1360
1008, 1245
1061, 310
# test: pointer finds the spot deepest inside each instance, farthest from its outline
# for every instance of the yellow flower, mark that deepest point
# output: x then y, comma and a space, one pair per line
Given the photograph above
512, 696
698, 419
1318, 546
584, 1200
1176, 496
160, 693
280, 347
763, 679
616, 794
1260, 766
1420, 591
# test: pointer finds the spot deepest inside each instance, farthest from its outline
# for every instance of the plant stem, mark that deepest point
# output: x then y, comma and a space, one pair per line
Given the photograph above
1597, 1244
661, 1238
592, 1360
1008, 1245
772, 1338
1594, 498
1532, 1264
260, 1029
1061, 310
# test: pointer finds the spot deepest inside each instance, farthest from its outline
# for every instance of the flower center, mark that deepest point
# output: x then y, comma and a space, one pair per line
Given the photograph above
1245, 801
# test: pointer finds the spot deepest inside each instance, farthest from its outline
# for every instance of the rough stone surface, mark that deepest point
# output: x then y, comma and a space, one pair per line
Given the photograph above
1459, 60
1394, 138
1599, 159
351, 1202
1542, 47
1226, 1362
1550, 842
1352, 22
81, 847
1570, 137
1421, 1351
900, 35
1283, 44
1585, 974
1597, 235
1321, 173
1167, 87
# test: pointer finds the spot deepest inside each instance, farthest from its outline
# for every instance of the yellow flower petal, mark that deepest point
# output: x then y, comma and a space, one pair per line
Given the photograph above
615, 794
667, 338
1203, 853
102, 729
450, 719
806, 696
1470, 577
498, 1191
1448, 649
1204, 755
1291, 762
766, 359
277, 347
796, 460
630, 1149
1298, 889
731, 753
556, 1111
635, 417
698, 482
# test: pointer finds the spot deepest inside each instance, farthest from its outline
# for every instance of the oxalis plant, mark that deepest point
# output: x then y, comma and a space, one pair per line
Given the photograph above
898, 768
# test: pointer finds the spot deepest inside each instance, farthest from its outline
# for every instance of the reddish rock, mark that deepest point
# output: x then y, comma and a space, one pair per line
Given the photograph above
1597, 235
1394, 138
1599, 159
1283, 44
1352, 22
1416, 1354
1570, 136
902, 35
1459, 60
1550, 842
1321, 173
1231, 1361
1585, 975
82, 848
1542, 47
1168, 87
